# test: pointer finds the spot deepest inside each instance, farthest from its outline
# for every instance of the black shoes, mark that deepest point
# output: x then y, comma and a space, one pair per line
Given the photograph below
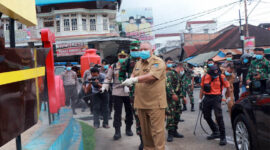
172, 134
74, 112
170, 138
213, 136
117, 134
192, 107
141, 145
106, 126
129, 131
177, 135
222, 141
184, 107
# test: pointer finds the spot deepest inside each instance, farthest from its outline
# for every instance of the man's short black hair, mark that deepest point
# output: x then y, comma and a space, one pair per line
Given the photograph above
104, 61
259, 50
94, 70
131, 17
210, 60
143, 17
168, 58
229, 53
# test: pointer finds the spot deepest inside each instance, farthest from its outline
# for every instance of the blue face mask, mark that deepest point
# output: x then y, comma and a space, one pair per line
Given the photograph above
227, 73
145, 54
182, 73
122, 60
245, 61
259, 57
135, 54
229, 59
210, 65
106, 67
169, 65
68, 68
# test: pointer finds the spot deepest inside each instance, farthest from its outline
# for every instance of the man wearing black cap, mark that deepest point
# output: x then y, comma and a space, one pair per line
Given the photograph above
212, 86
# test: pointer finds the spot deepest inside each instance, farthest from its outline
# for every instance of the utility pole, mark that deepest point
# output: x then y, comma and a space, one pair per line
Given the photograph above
246, 18
241, 32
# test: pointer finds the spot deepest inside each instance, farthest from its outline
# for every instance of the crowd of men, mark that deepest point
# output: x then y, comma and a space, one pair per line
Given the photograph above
153, 90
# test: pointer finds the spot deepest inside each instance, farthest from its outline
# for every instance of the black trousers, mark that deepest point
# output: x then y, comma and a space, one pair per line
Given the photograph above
71, 95
213, 102
236, 90
100, 106
118, 105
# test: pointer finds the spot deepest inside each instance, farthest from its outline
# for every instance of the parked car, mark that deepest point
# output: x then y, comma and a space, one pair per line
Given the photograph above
250, 118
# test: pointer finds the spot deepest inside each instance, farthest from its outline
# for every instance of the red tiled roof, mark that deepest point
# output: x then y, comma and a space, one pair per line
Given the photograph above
230, 39
191, 49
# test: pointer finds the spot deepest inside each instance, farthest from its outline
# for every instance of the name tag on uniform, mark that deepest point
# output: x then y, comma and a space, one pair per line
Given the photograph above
137, 69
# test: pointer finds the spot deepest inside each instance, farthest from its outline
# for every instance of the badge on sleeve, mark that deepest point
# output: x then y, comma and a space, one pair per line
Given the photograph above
156, 65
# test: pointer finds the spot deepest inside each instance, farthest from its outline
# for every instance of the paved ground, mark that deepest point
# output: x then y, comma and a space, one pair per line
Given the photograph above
104, 137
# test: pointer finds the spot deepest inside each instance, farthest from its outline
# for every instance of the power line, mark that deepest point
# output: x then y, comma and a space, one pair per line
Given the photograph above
254, 8
207, 12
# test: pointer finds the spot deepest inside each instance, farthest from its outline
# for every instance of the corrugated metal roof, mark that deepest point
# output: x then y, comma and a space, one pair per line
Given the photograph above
50, 2
200, 59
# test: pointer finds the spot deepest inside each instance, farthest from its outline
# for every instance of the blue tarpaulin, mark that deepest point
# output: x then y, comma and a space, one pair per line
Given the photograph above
50, 2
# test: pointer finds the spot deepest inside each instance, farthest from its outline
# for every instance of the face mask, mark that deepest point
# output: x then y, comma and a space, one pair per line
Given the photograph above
106, 67
245, 61
169, 65
210, 65
145, 54
182, 73
259, 57
68, 68
227, 73
121, 60
229, 59
214, 77
135, 54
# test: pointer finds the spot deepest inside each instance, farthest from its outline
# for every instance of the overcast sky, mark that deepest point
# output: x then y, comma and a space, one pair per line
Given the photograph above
167, 10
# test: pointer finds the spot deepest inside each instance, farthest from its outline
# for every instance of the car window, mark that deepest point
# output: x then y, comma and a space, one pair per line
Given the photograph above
59, 70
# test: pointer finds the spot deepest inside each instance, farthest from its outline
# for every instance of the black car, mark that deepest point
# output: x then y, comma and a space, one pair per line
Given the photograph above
251, 118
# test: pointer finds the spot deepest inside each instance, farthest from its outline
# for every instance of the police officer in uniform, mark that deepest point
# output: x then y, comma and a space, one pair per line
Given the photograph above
212, 87
70, 84
121, 96
149, 75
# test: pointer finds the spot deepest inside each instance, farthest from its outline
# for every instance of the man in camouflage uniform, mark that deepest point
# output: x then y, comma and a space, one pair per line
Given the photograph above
174, 98
259, 68
188, 86
124, 73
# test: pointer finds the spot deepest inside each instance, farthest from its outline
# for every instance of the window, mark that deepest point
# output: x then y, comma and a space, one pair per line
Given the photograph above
105, 24
19, 26
206, 30
48, 22
66, 25
74, 24
84, 25
93, 25
58, 28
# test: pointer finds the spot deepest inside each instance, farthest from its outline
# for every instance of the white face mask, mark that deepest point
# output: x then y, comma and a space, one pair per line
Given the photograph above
182, 72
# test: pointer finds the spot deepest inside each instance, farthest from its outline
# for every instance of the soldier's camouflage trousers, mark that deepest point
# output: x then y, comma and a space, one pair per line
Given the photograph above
173, 114
189, 92
135, 112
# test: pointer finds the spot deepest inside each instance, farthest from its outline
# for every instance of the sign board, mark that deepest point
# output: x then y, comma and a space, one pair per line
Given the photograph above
138, 23
70, 49
249, 43
22, 10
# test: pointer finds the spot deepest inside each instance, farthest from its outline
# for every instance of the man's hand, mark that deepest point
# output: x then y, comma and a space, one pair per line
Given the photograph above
129, 82
175, 97
105, 87
248, 82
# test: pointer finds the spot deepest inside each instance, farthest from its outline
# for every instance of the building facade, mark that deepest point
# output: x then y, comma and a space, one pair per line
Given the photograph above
208, 26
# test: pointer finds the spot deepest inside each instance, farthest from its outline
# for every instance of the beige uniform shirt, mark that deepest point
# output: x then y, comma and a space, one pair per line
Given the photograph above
113, 74
151, 95
69, 77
